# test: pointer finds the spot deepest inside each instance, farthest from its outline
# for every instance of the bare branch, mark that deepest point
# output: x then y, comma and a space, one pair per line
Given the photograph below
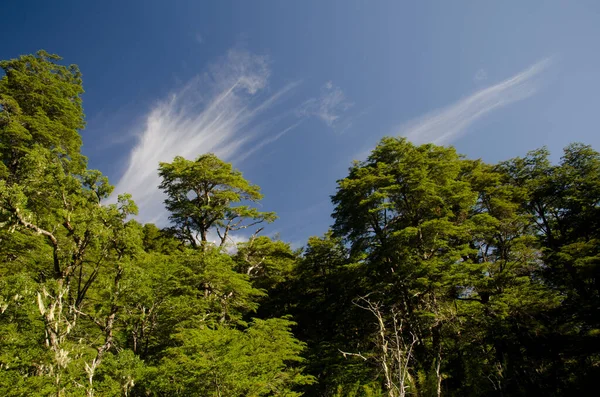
353, 354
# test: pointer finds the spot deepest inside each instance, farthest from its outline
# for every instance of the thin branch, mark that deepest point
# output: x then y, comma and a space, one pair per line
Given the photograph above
353, 354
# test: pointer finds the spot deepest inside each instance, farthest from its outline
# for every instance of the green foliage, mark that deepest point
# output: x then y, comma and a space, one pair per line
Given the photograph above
225, 361
40, 102
157, 240
92, 303
445, 248
201, 195
267, 262
440, 276
407, 208
563, 203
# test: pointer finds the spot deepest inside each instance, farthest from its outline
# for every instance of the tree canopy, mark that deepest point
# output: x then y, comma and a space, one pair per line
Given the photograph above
440, 275
202, 196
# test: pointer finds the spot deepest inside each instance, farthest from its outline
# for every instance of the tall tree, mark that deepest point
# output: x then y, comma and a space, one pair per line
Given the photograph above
406, 208
500, 299
201, 196
563, 201
40, 105
50, 201
450, 265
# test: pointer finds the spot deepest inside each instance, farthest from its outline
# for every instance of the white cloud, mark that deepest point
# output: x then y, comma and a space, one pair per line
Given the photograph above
480, 75
231, 243
447, 124
211, 113
270, 139
199, 38
328, 107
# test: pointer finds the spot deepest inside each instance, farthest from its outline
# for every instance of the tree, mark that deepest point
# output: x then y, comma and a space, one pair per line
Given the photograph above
406, 208
227, 362
267, 262
81, 240
50, 201
40, 105
563, 202
440, 276
450, 259
394, 350
319, 295
500, 300
201, 195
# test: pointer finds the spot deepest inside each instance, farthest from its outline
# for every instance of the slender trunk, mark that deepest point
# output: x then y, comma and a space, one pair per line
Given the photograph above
438, 360
437, 372
108, 335
57, 327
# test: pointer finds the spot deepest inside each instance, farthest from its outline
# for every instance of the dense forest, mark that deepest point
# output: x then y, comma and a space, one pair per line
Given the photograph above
440, 275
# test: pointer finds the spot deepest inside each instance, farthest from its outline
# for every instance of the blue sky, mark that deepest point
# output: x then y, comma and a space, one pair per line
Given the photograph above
291, 92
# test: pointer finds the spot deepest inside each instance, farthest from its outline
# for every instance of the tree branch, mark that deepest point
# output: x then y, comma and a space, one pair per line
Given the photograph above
353, 354
50, 236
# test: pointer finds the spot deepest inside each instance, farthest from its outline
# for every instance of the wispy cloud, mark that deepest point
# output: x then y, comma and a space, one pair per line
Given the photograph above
270, 139
211, 113
447, 124
329, 106
480, 75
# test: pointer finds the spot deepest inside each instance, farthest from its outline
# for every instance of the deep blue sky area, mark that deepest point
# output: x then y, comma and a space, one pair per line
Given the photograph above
291, 92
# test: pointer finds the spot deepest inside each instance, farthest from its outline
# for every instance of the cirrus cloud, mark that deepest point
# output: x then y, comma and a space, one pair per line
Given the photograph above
215, 112
444, 125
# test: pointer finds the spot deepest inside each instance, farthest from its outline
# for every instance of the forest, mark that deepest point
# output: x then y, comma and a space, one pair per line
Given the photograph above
440, 275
